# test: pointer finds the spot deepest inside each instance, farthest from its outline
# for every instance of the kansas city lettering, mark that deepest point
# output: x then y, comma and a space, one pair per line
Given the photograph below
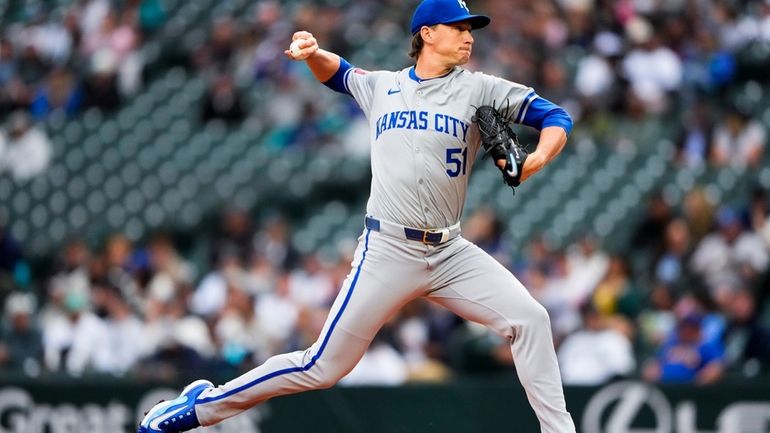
419, 120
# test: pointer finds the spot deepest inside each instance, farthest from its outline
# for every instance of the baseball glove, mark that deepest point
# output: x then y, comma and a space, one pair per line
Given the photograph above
500, 142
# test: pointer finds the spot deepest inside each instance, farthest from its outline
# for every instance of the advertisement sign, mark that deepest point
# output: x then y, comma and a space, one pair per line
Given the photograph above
620, 407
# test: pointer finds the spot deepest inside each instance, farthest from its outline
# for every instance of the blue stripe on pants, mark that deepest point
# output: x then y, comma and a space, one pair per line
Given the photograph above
315, 358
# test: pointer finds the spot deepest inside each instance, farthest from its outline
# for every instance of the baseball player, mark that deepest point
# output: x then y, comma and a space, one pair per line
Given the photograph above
423, 145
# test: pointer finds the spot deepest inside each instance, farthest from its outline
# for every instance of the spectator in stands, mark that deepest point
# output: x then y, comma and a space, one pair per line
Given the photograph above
118, 264
651, 68
10, 254
734, 31
310, 286
596, 353
648, 237
596, 79
59, 92
657, 320
739, 140
25, 151
746, 340
152, 14
260, 276
223, 101
120, 347
172, 331
92, 15
381, 364
222, 42
50, 37
7, 62
758, 209
235, 232
764, 21
758, 213
485, 229
309, 131
732, 254
556, 88
72, 272
14, 93
210, 296
124, 43
698, 212
686, 357
278, 314
101, 87
694, 143
30, 66
671, 267
213, 58
21, 344
169, 274
174, 338
240, 336
415, 334
587, 266
273, 242
72, 336
615, 294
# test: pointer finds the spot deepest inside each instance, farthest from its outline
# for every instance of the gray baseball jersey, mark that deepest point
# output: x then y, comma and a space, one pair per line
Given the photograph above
423, 140
423, 144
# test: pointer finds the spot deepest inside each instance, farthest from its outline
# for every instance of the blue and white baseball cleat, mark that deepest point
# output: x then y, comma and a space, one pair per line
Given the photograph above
178, 415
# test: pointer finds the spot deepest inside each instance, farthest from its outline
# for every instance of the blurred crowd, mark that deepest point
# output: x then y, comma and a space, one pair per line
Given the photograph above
622, 69
685, 301
86, 55
73, 58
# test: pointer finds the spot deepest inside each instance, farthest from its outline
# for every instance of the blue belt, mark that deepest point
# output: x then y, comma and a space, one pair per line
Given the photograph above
427, 237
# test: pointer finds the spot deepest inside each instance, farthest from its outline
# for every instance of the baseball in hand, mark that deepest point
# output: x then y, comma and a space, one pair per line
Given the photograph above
294, 48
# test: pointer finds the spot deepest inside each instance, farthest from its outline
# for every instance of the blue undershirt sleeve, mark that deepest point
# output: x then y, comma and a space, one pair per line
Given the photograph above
541, 113
337, 81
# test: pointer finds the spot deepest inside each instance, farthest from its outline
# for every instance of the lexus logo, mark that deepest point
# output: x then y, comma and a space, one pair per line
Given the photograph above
615, 408
626, 400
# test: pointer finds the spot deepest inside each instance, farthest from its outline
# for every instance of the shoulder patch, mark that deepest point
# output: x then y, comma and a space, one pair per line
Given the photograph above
360, 71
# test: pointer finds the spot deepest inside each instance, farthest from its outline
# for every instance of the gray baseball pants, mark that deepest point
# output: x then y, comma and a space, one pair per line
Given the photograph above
387, 273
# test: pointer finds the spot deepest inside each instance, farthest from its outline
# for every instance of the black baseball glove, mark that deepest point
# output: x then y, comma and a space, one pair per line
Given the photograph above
500, 142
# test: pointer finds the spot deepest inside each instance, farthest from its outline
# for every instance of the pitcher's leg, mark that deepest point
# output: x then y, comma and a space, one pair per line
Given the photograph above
284, 374
478, 288
372, 292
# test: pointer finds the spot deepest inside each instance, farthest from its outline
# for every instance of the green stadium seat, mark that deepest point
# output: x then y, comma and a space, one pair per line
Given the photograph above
96, 202
21, 202
114, 187
92, 119
57, 230
39, 189
57, 174
20, 229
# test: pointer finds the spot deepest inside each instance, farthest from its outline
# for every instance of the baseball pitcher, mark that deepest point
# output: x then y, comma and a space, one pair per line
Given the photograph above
428, 122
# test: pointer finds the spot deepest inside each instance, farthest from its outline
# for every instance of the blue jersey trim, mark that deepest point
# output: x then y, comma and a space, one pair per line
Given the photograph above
413, 75
540, 113
559, 118
338, 81
315, 358
525, 106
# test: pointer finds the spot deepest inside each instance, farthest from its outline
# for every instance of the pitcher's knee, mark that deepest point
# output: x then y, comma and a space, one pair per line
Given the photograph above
327, 375
537, 316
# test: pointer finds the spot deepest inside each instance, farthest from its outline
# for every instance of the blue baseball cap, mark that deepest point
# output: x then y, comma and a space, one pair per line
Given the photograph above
432, 12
